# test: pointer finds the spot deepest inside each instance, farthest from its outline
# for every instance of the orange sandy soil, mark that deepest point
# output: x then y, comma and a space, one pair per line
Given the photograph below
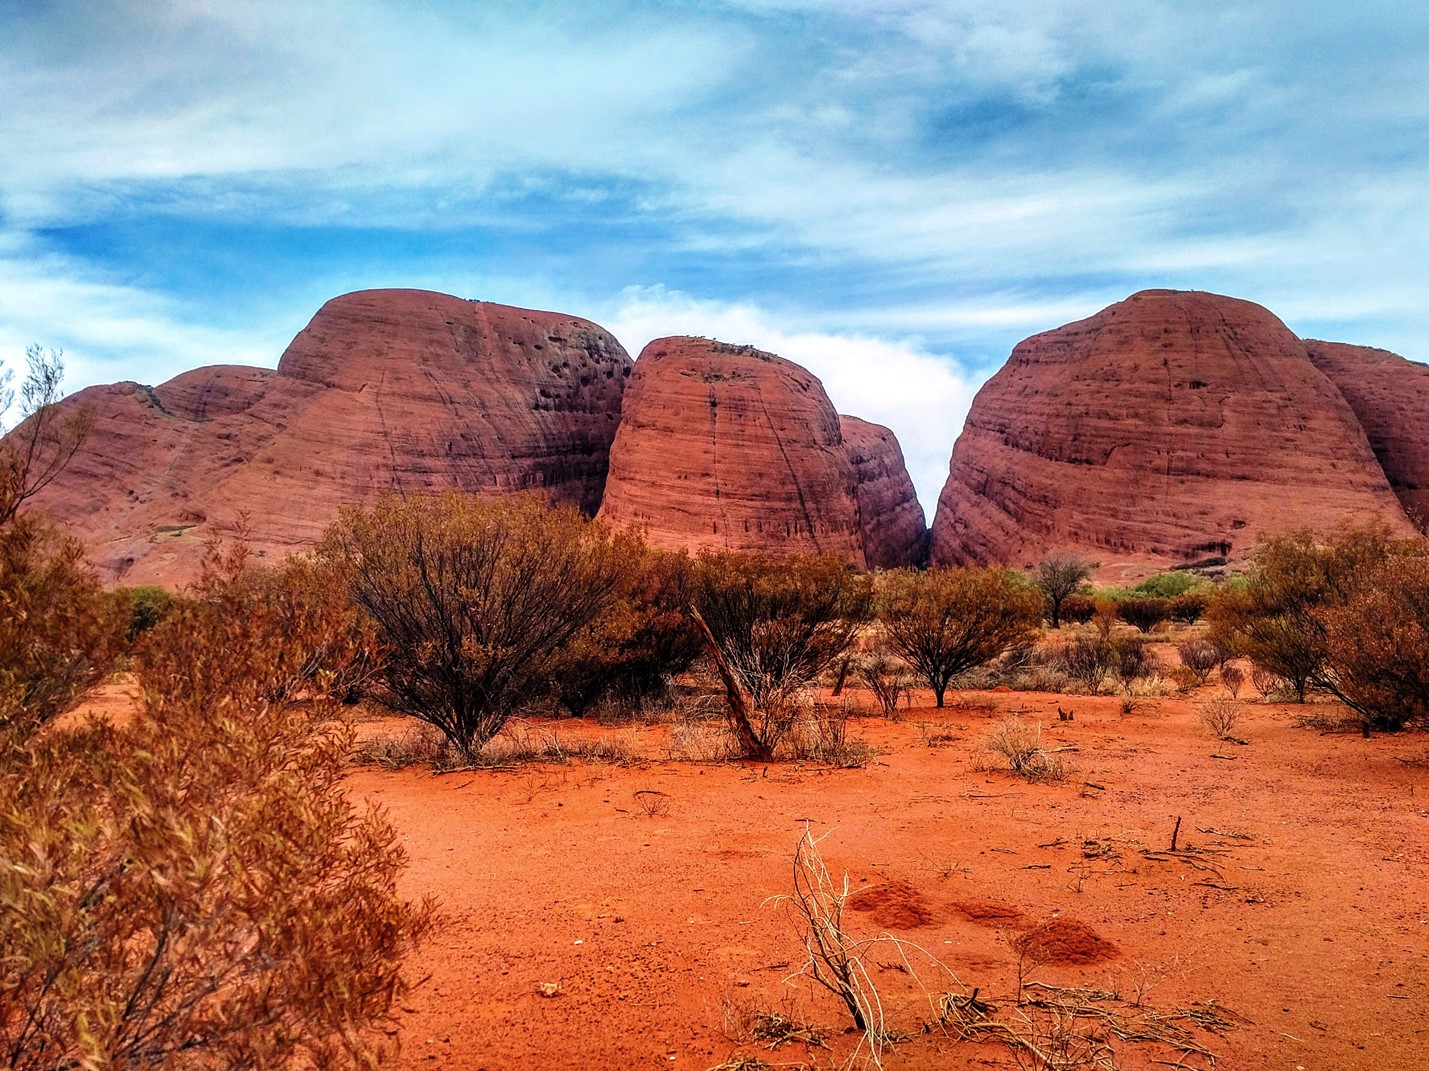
1301, 901
1308, 913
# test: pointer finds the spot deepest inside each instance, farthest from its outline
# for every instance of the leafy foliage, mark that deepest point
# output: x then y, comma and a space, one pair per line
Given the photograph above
476, 600
195, 891
774, 624
1059, 577
945, 622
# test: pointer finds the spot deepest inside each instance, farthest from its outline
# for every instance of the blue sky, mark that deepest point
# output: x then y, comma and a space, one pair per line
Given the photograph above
892, 192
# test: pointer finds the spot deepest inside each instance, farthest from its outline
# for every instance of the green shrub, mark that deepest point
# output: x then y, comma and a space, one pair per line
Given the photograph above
1167, 585
945, 622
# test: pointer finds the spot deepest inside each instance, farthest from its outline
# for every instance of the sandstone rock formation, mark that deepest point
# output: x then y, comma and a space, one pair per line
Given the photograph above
727, 447
1167, 429
399, 390
894, 531
1390, 396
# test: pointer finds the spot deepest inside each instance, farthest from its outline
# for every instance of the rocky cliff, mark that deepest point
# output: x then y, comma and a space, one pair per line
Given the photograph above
1167, 429
398, 390
727, 447
1390, 396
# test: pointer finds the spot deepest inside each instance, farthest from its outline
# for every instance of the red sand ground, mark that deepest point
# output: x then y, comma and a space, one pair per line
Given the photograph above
658, 929
659, 935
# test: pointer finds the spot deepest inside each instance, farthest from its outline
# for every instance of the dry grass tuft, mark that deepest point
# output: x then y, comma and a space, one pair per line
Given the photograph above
1021, 746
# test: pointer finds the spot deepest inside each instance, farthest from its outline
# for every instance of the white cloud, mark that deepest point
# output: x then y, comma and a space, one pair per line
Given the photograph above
922, 397
109, 331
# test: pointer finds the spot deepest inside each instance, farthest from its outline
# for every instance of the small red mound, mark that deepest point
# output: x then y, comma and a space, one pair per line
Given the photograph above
894, 906
1065, 941
990, 912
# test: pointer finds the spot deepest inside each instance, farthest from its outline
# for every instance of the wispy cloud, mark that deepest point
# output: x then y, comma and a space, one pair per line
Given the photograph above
916, 180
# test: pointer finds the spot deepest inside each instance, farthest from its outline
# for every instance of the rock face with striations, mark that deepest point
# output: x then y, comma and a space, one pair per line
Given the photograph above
385, 390
730, 448
894, 531
1167, 429
1390, 395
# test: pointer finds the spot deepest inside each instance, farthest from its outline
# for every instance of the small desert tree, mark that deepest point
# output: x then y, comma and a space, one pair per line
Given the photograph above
1058, 577
476, 599
1377, 644
48, 435
59, 631
1276, 619
773, 624
947, 621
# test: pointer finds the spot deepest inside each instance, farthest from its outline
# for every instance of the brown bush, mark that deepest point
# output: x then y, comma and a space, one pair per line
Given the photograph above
945, 622
1199, 657
254, 634
195, 891
1188, 607
475, 599
642, 639
774, 624
1142, 613
1377, 644
887, 681
1079, 609
60, 633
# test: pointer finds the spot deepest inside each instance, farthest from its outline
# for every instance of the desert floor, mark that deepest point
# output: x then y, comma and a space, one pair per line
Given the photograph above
641, 893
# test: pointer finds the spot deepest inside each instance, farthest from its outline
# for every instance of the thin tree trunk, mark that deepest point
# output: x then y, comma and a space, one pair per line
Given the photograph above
739, 705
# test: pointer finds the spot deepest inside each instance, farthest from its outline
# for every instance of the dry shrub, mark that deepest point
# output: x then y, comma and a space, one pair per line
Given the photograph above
1086, 660
1220, 717
476, 600
1144, 614
421, 745
1269, 685
820, 734
945, 622
1021, 746
1233, 677
1377, 645
196, 891
60, 633
1200, 657
887, 680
